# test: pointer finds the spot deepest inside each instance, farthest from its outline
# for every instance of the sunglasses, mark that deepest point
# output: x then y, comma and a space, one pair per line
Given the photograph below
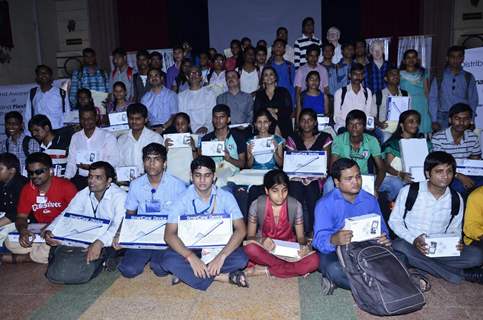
37, 172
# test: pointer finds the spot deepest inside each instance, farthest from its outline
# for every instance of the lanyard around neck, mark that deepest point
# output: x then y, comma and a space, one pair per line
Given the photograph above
94, 209
212, 198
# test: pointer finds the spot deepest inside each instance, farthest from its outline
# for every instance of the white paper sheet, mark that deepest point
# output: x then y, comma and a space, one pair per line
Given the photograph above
179, 140
262, 146
305, 163
205, 230
286, 248
78, 230
413, 154
396, 106
117, 118
143, 231
213, 148
87, 157
127, 173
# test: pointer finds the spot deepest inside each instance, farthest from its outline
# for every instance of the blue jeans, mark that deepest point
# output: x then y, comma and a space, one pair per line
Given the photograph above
176, 264
448, 268
331, 268
134, 261
391, 185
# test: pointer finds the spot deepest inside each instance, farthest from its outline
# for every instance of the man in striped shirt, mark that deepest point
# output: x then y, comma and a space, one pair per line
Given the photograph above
459, 141
301, 44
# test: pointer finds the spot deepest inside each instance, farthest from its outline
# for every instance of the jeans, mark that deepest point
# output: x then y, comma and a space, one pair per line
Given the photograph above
331, 268
391, 185
134, 261
448, 268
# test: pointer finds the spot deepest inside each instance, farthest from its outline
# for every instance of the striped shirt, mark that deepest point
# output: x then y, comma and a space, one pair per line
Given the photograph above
300, 49
17, 147
468, 146
429, 215
84, 79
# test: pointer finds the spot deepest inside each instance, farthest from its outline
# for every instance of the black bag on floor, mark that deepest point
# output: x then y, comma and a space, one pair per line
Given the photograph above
67, 265
380, 283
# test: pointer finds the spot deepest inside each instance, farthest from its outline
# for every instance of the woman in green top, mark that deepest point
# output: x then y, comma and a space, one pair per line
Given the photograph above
407, 128
414, 79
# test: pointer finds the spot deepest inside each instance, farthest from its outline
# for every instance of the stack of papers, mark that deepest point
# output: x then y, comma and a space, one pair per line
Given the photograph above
469, 167
213, 148
143, 231
117, 122
364, 227
305, 163
395, 106
205, 231
443, 245
79, 230
286, 249
35, 228
179, 140
413, 154
262, 146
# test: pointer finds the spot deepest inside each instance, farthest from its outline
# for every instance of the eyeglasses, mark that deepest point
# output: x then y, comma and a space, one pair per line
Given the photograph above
37, 172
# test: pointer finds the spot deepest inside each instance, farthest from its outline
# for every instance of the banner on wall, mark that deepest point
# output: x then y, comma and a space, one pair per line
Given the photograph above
474, 63
14, 98
166, 54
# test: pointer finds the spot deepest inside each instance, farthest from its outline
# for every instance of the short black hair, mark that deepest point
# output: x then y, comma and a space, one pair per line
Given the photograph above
261, 48
161, 72
10, 161
156, 149
183, 115
245, 39
108, 169
282, 41
312, 73
232, 71
235, 41
460, 107
455, 49
357, 67
120, 84
274, 177
84, 90
262, 43
142, 53
203, 161
345, 45
356, 115
282, 28
137, 108
390, 68
88, 108
313, 47
40, 120
328, 44
436, 158
43, 66
88, 50
342, 164
119, 51
307, 20
39, 157
15, 115
310, 112
219, 55
221, 108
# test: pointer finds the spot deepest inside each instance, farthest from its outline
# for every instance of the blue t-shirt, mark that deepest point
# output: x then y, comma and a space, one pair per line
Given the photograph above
286, 76
315, 103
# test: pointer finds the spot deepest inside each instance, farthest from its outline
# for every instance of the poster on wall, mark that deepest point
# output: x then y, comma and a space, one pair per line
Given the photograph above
14, 98
474, 63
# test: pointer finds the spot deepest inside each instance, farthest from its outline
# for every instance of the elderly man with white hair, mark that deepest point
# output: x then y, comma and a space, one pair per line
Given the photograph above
377, 68
333, 36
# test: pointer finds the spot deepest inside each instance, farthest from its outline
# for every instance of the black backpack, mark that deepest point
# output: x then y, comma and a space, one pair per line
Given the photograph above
344, 92
380, 283
413, 194
291, 210
25, 145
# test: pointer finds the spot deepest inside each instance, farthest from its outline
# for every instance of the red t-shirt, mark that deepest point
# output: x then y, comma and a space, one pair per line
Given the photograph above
56, 199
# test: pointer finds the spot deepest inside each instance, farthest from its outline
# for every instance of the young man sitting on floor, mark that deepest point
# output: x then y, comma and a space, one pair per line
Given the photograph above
41, 200
432, 213
203, 198
153, 193
101, 199
345, 201
276, 215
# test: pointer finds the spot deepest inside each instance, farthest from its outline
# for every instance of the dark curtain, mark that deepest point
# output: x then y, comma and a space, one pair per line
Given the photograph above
5, 27
343, 14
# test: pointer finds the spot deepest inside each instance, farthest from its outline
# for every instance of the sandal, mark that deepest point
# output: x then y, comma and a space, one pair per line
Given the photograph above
420, 281
175, 280
238, 278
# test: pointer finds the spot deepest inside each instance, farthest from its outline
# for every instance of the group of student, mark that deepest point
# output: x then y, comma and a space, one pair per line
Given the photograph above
73, 170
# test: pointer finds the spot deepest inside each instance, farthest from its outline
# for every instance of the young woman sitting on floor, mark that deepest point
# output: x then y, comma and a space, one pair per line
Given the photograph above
277, 216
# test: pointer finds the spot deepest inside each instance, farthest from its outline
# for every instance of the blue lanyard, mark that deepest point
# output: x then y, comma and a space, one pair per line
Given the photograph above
203, 211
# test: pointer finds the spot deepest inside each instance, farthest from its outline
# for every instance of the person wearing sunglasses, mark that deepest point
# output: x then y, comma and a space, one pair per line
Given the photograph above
41, 201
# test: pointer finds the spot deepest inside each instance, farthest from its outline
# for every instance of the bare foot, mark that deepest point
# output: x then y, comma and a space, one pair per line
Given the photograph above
16, 258
257, 271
